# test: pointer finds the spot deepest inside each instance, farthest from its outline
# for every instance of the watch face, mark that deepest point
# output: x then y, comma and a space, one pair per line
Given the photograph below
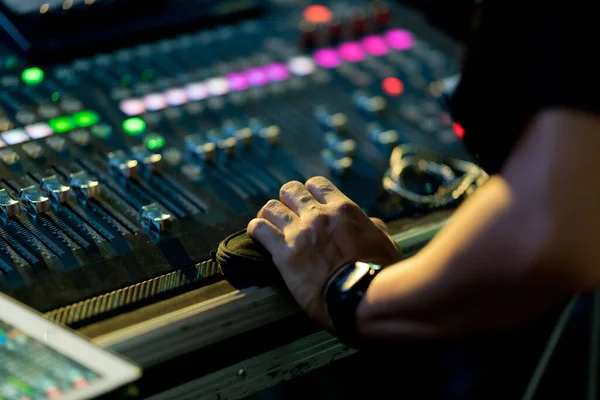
355, 275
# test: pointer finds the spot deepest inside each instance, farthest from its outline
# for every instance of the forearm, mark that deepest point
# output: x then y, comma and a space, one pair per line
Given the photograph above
488, 238
530, 226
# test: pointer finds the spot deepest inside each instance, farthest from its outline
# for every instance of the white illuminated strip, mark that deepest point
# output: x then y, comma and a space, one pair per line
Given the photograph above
217, 86
38, 131
131, 107
176, 96
155, 101
301, 66
196, 91
15, 136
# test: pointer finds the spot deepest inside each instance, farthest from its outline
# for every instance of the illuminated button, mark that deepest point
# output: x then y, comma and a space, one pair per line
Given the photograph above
176, 96
15, 136
392, 86
81, 137
301, 66
56, 143
121, 163
351, 52
459, 131
83, 185
277, 72
257, 77
85, 118
399, 39
33, 149
32, 76
317, 14
155, 101
217, 86
154, 141
327, 58
134, 126
196, 91
375, 45
38, 131
34, 201
54, 187
237, 81
2, 144
155, 219
9, 156
62, 124
8, 206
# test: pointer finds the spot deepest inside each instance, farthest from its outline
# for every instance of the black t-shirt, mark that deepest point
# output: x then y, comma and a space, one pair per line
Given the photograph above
526, 56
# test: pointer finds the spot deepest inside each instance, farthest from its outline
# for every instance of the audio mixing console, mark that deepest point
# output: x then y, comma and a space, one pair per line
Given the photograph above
127, 165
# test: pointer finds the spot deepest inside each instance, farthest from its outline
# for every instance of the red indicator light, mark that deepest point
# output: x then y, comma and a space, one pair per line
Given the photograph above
392, 86
317, 14
459, 131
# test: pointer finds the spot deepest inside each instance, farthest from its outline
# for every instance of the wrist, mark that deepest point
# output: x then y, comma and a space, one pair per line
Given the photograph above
343, 295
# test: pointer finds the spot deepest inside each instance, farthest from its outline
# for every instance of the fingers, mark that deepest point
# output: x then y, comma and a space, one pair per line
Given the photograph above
324, 191
380, 224
267, 234
297, 197
277, 213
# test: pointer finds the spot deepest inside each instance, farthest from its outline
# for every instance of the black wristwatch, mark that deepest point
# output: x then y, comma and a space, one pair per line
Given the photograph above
342, 296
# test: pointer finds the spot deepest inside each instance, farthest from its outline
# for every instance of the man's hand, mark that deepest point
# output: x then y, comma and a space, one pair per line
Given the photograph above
314, 231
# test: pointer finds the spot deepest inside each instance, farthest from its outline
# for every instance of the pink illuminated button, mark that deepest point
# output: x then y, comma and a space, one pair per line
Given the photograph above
2, 144
176, 96
277, 72
399, 39
15, 136
327, 58
375, 45
196, 91
155, 101
352, 52
40, 130
237, 81
257, 76
131, 107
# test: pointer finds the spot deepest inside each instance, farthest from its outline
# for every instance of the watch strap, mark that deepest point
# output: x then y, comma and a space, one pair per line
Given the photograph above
343, 294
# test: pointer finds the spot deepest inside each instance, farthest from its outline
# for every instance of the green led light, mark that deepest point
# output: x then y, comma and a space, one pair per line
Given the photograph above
55, 97
85, 118
32, 76
126, 80
147, 74
62, 124
134, 126
10, 62
154, 141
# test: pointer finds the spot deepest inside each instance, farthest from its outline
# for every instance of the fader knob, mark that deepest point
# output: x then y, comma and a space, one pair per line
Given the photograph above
121, 162
155, 219
9, 207
83, 185
59, 192
34, 201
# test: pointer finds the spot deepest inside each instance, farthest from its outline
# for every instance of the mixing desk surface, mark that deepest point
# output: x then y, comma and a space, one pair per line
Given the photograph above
129, 164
